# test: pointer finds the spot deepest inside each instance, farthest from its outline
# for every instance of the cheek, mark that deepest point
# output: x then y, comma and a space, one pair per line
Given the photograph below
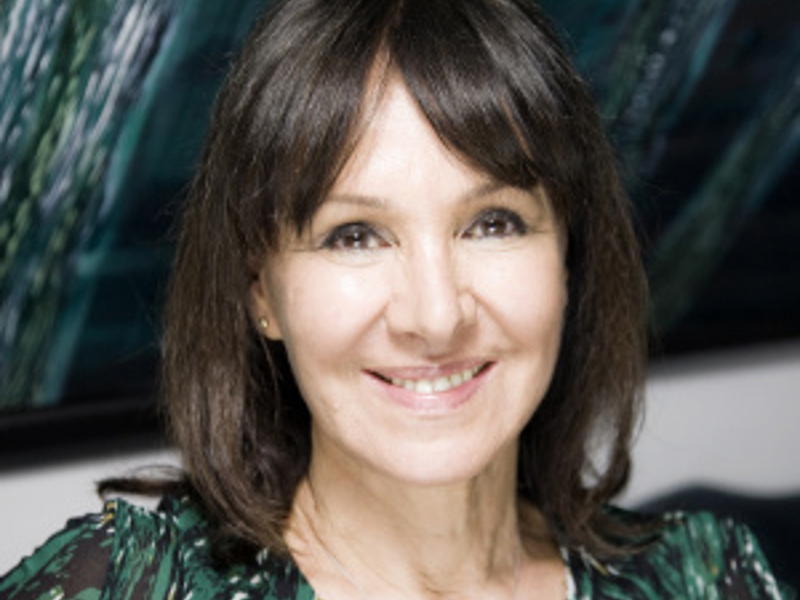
526, 291
325, 309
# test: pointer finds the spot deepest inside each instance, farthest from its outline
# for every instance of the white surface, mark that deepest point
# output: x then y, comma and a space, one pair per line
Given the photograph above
730, 421
727, 420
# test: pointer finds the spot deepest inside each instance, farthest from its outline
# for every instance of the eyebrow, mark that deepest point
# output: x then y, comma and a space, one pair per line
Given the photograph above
358, 200
474, 194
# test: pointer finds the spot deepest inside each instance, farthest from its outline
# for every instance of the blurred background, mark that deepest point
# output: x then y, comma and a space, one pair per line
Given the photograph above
103, 107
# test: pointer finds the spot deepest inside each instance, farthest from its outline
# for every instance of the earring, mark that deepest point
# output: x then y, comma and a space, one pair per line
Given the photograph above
263, 322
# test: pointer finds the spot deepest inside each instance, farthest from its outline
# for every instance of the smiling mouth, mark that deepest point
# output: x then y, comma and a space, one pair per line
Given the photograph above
436, 385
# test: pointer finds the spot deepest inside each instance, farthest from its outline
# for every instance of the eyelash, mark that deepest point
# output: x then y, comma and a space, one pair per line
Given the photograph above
360, 236
353, 237
512, 224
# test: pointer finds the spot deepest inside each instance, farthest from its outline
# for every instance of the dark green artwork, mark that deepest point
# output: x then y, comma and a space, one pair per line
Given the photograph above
702, 98
104, 103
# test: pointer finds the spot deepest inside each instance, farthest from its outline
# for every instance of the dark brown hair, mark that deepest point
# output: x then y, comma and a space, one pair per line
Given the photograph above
499, 89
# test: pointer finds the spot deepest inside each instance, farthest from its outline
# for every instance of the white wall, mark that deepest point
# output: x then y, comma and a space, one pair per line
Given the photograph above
729, 420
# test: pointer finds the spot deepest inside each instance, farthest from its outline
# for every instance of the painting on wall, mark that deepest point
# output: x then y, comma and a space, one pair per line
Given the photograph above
103, 107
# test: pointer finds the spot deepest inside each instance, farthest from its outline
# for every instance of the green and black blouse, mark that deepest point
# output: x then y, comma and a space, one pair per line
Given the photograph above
127, 552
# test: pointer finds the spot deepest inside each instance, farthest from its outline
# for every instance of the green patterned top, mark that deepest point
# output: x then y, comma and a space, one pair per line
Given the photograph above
131, 553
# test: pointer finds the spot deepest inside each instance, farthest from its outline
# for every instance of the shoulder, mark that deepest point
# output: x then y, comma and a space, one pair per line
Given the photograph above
695, 555
169, 551
144, 534
138, 552
71, 561
720, 551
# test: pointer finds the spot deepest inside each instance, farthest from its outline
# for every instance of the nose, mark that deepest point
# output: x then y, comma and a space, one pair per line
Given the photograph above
431, 298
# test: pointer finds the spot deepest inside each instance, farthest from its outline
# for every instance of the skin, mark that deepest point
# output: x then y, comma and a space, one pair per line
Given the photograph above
419, 272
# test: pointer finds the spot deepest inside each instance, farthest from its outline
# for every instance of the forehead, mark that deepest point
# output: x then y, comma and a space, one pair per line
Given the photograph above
397, 144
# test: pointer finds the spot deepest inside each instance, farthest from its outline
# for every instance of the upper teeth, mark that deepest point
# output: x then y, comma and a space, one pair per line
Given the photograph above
438, 385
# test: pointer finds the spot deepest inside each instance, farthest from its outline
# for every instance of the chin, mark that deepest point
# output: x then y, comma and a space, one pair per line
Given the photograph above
438, 467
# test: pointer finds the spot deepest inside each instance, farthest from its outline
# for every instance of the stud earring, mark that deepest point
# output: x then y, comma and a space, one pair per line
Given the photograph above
263, 322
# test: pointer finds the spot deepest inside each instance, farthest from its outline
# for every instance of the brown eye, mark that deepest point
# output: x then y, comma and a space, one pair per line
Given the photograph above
496, 223
353, 236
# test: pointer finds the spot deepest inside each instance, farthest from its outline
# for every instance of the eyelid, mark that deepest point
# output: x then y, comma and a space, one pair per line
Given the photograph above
337, 233
521, 227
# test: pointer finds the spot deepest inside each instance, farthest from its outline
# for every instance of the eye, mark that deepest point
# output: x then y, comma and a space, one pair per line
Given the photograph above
496, 223
354, 236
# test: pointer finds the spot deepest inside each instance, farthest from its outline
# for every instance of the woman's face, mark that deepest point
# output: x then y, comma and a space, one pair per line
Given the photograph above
421, 309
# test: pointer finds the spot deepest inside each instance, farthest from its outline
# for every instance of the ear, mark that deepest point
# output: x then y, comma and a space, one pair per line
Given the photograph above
262, 306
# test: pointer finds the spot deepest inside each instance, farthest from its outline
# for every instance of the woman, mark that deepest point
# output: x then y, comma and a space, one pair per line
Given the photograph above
405, 335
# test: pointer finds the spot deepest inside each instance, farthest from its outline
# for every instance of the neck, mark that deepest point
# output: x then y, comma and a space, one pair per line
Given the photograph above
424, 541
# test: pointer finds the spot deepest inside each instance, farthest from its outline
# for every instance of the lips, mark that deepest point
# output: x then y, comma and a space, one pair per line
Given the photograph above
433, 385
